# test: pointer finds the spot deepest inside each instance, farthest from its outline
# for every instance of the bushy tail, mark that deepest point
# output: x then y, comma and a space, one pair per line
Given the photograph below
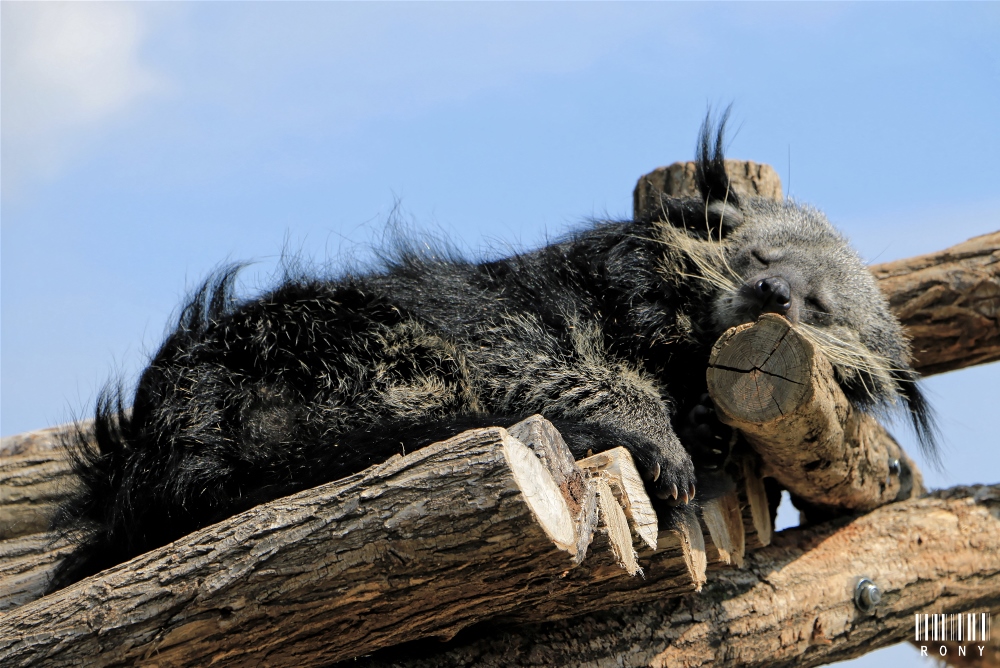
98, 454
103, 516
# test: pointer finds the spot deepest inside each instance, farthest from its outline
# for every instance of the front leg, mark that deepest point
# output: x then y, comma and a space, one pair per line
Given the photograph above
595, 401
709, 441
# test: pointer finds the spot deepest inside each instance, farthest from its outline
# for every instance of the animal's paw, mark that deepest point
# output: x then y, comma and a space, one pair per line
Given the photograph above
705, 436
663, 463
667, 470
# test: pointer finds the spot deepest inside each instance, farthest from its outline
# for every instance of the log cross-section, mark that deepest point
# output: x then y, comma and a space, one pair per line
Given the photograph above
723, 520
770, 383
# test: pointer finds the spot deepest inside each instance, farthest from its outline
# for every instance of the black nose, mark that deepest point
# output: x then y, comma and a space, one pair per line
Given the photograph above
774, 295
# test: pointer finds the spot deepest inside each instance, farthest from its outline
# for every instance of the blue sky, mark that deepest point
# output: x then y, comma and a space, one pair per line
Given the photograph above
145, 144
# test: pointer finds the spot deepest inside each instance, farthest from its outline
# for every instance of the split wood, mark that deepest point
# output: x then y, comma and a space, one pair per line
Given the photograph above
473, 528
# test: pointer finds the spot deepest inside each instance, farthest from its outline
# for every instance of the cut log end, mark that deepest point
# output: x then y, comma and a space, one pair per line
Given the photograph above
685, 534
756, 504
626, 484
547, 443
615, 524
760, 371
541, 493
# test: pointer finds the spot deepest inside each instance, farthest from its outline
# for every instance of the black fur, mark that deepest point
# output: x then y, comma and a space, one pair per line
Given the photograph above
606, 332
711, 177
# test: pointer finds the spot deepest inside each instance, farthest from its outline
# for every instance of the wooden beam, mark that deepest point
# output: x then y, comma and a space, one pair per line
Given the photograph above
792, 605
473, 528
949, 303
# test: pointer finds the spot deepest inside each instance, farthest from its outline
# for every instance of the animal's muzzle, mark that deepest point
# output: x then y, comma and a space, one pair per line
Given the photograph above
773, 294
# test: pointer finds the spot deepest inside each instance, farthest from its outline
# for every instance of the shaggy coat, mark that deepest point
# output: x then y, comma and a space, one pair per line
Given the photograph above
606, 332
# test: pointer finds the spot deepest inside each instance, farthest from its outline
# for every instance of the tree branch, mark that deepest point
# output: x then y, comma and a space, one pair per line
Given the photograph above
424, 545
793, 604
949, 303
769, 382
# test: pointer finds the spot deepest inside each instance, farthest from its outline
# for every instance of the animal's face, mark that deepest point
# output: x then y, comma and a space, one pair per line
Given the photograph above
788, 259
779, 257
754, 255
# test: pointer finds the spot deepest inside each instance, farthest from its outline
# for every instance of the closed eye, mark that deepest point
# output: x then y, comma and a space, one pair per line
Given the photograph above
815, 305
760, 257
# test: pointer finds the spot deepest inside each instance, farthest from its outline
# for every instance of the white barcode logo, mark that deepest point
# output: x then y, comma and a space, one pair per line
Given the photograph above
953, 627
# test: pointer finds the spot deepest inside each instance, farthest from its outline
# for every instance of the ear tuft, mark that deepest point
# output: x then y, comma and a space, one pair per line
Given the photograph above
713, 182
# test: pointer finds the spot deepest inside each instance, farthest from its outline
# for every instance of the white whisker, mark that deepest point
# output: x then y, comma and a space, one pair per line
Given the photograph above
852, 357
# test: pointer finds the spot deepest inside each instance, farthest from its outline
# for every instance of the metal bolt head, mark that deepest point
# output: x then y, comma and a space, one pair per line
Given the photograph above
867, 596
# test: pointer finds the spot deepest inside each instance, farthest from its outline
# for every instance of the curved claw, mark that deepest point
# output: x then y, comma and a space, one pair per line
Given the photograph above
673, 491
692, 490
656, 472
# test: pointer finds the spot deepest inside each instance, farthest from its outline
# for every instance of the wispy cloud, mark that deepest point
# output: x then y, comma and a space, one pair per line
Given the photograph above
67, 69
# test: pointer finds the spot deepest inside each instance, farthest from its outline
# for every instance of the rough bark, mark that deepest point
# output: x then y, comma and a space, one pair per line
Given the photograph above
26, 566
792, 605
949, 303
422, 546
747, 178
51, 439
771, 384
35, 477
31, 488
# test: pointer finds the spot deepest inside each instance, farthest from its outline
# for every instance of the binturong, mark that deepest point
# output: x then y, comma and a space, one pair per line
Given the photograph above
605, 332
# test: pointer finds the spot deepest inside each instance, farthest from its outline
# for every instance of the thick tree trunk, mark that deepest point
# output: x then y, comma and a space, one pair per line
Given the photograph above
473, 528
793, 604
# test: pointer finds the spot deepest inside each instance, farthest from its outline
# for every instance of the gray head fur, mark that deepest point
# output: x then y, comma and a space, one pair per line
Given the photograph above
760, 255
